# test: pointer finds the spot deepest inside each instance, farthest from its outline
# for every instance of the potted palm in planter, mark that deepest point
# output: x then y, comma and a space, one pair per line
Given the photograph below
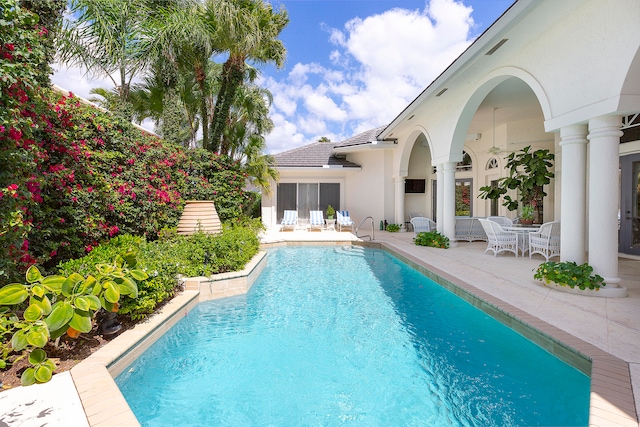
529, 172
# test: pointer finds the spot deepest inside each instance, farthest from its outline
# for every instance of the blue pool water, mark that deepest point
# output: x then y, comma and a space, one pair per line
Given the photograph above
348, 337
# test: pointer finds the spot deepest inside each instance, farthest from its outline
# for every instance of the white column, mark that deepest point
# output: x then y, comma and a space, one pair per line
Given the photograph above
573, 205
400, 202
449, 202
440, 198
604, 140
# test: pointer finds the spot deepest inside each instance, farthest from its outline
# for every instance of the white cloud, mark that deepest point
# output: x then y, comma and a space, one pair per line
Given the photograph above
74, 79
284, 136
379, 65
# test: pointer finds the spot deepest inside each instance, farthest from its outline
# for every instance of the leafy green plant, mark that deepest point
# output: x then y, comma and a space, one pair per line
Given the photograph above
330, 212
529, 172
432, 239
58, 304
526, 213
569, 273
392, 228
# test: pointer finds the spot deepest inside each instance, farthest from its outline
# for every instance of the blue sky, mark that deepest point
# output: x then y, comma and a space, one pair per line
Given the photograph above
353, 65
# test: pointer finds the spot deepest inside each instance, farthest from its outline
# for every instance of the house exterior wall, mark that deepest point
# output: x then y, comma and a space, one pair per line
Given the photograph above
367, 192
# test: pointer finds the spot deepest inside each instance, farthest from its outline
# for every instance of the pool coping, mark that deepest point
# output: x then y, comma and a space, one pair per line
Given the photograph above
611, 397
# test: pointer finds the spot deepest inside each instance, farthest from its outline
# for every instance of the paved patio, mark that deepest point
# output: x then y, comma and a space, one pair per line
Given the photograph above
611, 325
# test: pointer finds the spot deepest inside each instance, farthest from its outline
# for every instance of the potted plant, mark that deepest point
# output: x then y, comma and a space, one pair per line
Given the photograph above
569, 273
529, 172
526, 215
330, 212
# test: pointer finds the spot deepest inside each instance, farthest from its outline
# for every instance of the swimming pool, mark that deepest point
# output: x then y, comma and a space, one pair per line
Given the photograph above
349, 336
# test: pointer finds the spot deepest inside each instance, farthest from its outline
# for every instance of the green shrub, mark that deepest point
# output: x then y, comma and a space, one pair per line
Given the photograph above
392, 228
569, 273
432, 239
171, 256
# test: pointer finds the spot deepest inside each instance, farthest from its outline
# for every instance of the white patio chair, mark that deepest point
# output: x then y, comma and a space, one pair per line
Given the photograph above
502, 220
499, 240
343, 220
316, 220
469, 229
546, 242
290, 220
422, 224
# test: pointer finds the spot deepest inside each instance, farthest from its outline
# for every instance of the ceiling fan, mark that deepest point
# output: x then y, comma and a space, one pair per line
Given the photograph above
495, 150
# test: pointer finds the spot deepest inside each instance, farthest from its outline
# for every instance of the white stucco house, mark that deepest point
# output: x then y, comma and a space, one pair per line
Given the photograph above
558, 75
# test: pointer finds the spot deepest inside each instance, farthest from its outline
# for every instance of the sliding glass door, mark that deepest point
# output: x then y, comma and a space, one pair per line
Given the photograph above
305, 197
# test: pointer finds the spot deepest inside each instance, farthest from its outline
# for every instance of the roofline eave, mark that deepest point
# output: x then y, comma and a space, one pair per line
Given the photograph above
482, 43
320, 168
370, 145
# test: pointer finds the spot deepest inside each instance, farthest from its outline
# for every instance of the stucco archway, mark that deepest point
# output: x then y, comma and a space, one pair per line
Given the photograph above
479, 95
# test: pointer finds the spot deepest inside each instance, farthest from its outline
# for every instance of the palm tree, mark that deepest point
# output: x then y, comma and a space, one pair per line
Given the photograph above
108, 100
173, 107
180, 37
104, 38
247, 30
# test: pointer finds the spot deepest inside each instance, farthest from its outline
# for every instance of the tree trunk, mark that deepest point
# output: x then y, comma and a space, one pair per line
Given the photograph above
232, 77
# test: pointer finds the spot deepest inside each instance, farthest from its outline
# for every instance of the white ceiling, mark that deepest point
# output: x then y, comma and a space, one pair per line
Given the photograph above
513, 100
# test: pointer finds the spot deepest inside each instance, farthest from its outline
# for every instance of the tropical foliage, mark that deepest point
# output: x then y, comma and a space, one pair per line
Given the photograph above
56, 305
168, 47
432, 239
392, 228
104, 37
529, 172
170, 256
570, 274
72, 176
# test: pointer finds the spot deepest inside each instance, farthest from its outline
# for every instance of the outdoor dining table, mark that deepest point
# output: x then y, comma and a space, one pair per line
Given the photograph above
523, 234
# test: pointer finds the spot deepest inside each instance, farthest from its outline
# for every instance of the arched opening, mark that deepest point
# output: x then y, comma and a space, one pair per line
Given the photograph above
508, 118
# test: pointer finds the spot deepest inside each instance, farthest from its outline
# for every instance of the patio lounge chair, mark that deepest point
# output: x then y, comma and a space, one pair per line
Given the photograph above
344, 220
499, 240
422, 224
290, 220
316, 220
546, 242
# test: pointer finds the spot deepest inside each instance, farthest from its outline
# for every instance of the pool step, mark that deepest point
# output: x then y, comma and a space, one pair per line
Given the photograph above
358, 251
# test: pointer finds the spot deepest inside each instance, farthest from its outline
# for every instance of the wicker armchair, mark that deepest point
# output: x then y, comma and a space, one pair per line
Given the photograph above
546, 242
422, 224
499, 240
